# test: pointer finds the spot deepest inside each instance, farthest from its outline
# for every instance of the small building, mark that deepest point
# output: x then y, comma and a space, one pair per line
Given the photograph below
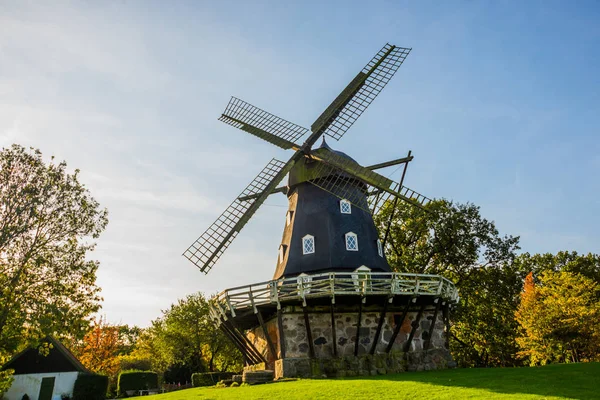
44, 377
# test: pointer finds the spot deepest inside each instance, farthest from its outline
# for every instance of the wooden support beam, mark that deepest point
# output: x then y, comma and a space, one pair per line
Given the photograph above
333, 331
266, 333
379, 326
358, 328
235, 343
407, 159
281, 334
398, 326
248, 356
311, 347
248, 343
252, 358
415, 326
432, 326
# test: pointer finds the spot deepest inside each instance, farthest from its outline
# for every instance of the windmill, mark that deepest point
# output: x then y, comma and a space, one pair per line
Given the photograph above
333, 122
330, 247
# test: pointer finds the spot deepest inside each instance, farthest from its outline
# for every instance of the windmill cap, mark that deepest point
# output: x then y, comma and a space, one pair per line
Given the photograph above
308, 170
324, 145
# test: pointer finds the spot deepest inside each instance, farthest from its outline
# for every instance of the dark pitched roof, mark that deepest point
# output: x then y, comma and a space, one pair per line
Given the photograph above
59, 359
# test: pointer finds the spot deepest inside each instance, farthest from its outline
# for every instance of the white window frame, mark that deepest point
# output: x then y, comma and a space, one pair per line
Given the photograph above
282, 251
345, 203
353, 235
304, 240
304, 282
379, 248
361, 277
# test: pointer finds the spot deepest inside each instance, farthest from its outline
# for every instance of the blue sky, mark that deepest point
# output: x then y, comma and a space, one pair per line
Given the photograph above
499, 102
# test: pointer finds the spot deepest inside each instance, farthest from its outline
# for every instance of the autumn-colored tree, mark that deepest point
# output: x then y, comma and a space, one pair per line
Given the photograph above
560, 318
99, 350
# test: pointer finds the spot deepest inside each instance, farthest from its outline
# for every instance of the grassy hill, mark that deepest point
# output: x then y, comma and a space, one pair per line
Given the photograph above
572, 381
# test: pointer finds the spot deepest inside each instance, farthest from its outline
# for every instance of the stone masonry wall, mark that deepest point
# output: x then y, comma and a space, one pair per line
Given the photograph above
296, 341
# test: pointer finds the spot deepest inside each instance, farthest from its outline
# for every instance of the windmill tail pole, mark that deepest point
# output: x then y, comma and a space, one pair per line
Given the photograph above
389, 225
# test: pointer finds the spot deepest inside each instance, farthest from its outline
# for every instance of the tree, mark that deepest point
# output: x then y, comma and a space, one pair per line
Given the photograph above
6, 378
450, 239
100, 348
455, 241
184, 340
569, 261
48, 223
560, 318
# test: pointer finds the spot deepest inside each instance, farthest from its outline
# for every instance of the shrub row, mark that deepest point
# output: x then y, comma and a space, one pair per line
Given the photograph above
136, 380
209, 378
90, 387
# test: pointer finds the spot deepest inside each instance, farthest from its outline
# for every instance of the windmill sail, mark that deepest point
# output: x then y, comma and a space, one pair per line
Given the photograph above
260, 123
360, 93
379, 197
209, 247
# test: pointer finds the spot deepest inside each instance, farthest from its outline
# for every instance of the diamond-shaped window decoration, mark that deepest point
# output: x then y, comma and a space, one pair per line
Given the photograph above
345, 207
351, 241
308, 244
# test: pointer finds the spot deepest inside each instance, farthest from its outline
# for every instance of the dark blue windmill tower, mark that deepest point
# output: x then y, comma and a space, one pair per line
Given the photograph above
333, 295
325, 231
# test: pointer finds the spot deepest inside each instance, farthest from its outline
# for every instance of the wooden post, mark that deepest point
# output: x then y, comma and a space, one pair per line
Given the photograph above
333, 332
248, 356
281, 335
266, 333
249, 344
358, 328
236, 344
311, 347
415, 326
252, 357
398, 326
432, 326
379, 326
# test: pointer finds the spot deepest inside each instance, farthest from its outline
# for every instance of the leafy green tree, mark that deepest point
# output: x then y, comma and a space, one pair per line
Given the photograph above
587, 265
48, 223
484, 328
455, 241
184, 340
5, 376
560, 317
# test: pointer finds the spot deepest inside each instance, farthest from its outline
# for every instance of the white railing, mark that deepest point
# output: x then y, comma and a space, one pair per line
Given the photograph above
330, 284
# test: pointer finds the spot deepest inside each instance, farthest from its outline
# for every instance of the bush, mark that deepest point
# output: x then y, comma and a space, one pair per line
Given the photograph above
209, 378
5, 380
90, 387
136, 380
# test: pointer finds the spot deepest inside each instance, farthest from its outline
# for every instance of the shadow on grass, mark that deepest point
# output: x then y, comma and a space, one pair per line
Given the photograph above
575, 381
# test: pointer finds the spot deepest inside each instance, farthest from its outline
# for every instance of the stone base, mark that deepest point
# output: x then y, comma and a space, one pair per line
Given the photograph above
363, 365
339, 340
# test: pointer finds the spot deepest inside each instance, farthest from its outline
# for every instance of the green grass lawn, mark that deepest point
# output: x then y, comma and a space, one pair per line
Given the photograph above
572, 381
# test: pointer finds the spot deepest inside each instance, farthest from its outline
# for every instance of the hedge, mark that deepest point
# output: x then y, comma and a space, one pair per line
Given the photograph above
209, 378
90, 387
136, 380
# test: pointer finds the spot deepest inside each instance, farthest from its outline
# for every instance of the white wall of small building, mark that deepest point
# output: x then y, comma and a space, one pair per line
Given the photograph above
30, 384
